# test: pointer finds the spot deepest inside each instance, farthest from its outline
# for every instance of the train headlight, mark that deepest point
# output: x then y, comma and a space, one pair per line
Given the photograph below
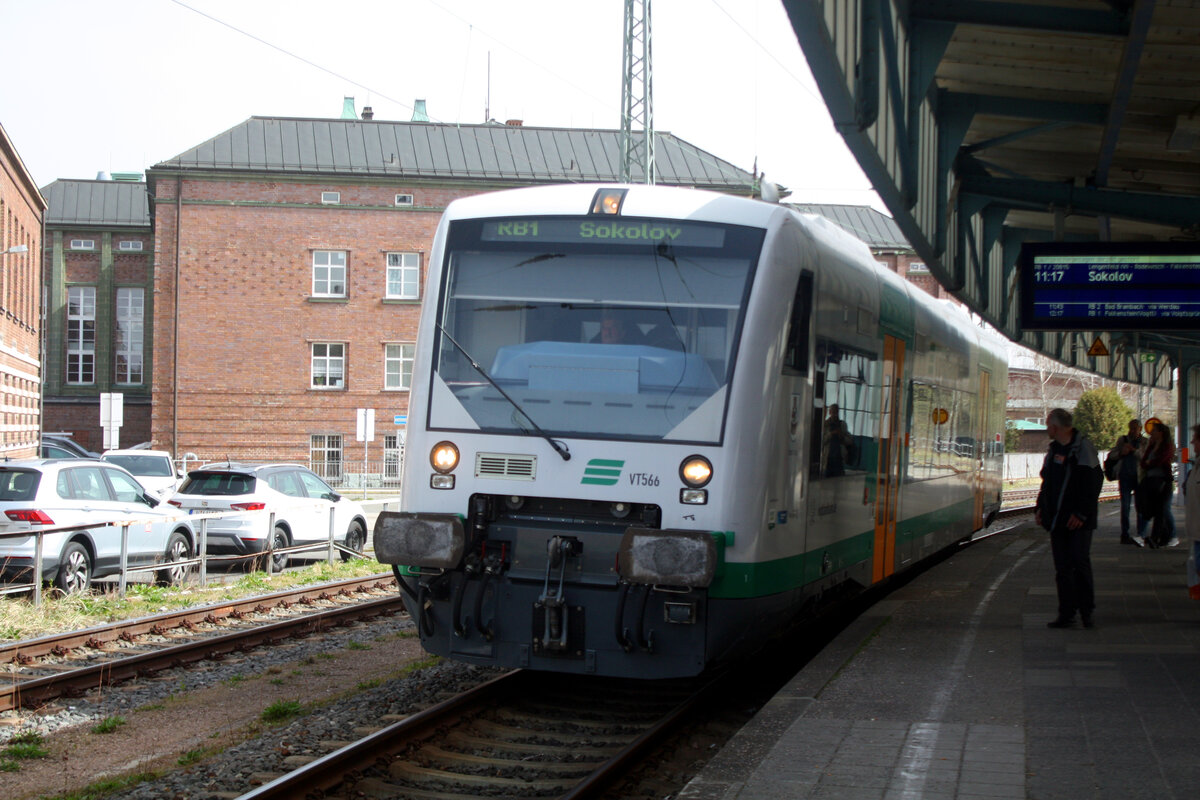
444, 457
696, 471
608, 201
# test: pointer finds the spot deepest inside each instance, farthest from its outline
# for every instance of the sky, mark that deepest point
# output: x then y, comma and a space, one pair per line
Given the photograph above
121, 85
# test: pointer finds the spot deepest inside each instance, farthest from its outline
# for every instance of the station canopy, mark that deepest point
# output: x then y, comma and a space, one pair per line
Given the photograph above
990, 128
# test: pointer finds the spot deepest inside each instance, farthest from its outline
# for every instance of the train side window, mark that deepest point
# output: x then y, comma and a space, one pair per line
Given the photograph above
796, 355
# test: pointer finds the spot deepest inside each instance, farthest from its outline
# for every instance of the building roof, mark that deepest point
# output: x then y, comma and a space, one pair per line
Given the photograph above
20, 175
876, 229
97, 204
429, 150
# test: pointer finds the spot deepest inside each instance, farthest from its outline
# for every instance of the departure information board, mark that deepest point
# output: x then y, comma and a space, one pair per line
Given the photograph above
1146, 286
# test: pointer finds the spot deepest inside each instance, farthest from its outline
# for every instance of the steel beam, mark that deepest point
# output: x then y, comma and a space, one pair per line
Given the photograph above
1055, 19
1164, 209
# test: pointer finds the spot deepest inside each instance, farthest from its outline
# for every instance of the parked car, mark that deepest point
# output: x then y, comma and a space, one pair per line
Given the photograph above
302, 503
44, 493
59, 445
154, 469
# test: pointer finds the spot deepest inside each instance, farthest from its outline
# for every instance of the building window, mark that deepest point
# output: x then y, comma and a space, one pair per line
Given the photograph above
131, 316
331, 198
917, 266
129, 244
393, 453
329, 273
325, 455
328, 365
81, 334
404, 275
83, 244
397, 366
404, 199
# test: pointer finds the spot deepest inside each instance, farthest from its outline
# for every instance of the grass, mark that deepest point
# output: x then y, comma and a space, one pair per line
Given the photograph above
105, 788
354, 645
22, 747
19, 619
281, 711
108, 724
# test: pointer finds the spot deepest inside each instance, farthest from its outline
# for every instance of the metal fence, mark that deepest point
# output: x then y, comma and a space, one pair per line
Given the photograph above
202, 559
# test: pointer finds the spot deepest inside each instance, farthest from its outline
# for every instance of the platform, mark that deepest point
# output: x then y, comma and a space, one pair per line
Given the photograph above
953, 687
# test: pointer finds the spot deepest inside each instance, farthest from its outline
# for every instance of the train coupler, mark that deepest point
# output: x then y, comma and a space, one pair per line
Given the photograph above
551, 605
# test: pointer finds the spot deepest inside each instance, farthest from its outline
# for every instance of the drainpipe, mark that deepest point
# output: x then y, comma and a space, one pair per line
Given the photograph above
175, 320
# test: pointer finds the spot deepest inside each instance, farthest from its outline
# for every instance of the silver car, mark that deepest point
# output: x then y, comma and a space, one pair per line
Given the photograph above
47, 493
304, 506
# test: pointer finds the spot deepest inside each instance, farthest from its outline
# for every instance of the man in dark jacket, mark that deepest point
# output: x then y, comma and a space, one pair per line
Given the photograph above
1068, 507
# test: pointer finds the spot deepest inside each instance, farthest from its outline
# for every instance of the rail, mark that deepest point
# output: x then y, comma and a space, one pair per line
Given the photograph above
39, 670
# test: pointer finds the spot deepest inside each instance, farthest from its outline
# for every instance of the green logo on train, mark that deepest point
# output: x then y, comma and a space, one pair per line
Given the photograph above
602, 472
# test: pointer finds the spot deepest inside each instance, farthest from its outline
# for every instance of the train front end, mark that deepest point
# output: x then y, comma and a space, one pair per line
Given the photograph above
564, 467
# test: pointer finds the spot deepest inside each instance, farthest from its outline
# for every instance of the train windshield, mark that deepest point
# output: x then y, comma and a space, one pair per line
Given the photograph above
596, 327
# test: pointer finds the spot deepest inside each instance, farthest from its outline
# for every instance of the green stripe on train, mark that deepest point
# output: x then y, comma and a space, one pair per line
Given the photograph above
741, 580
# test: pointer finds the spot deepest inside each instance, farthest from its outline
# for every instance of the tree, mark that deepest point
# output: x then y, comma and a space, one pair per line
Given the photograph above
1102, 416
1012, 437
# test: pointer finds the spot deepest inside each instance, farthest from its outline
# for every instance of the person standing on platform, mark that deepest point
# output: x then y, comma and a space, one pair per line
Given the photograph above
1191, 491
1158, 487
1068, 507
1128, 451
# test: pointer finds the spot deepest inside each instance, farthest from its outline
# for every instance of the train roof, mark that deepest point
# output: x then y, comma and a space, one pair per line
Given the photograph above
641, 200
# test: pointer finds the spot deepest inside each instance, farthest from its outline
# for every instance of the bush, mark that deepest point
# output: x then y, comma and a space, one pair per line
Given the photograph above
1102, 416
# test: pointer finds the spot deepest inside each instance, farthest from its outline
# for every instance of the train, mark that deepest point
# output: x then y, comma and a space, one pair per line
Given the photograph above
650, 427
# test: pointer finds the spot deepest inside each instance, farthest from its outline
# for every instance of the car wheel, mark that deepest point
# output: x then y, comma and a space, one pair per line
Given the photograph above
178, 549
356, 540
75, 571
278, 540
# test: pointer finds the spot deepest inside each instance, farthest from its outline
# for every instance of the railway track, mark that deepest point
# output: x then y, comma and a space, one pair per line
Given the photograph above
39, 670
523, 734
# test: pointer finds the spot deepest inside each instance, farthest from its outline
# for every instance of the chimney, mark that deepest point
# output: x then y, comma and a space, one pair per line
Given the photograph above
514, 123
368, 113
419, 113
348, 108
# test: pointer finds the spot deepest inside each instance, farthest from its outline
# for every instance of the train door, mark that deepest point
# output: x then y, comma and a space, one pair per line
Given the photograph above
891, 447
983, 420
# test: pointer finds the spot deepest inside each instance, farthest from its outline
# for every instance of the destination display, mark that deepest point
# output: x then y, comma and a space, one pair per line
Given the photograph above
609, 230
1110, 286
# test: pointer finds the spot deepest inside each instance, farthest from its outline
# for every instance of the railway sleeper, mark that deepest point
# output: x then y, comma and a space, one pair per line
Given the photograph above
452, 760
468, 741
406, 771
557, 738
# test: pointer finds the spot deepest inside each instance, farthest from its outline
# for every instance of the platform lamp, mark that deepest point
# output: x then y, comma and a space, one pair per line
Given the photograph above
16, 248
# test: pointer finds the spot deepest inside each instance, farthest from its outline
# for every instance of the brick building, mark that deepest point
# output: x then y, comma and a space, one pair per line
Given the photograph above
289, 268
99, 298
22, 208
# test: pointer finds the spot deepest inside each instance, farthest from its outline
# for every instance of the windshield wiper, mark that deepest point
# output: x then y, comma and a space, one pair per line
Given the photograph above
558, 446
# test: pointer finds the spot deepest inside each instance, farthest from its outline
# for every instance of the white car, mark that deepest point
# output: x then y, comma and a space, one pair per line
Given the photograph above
47, 493
154, 469
302, 502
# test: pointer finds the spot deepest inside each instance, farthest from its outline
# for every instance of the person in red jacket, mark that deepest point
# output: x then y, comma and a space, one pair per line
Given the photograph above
1068, 506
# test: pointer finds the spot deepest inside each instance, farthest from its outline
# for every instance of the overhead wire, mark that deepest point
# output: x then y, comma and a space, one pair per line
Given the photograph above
697, 153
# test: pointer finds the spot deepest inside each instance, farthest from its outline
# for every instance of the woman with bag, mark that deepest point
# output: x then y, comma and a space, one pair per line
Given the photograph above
1157, 488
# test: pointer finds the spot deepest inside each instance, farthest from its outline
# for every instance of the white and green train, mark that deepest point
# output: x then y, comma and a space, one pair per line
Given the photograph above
649, 426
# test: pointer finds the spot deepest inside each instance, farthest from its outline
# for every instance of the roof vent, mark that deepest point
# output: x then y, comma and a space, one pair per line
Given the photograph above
368, 112
348, 111
102, 176
419, 113
514, 123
